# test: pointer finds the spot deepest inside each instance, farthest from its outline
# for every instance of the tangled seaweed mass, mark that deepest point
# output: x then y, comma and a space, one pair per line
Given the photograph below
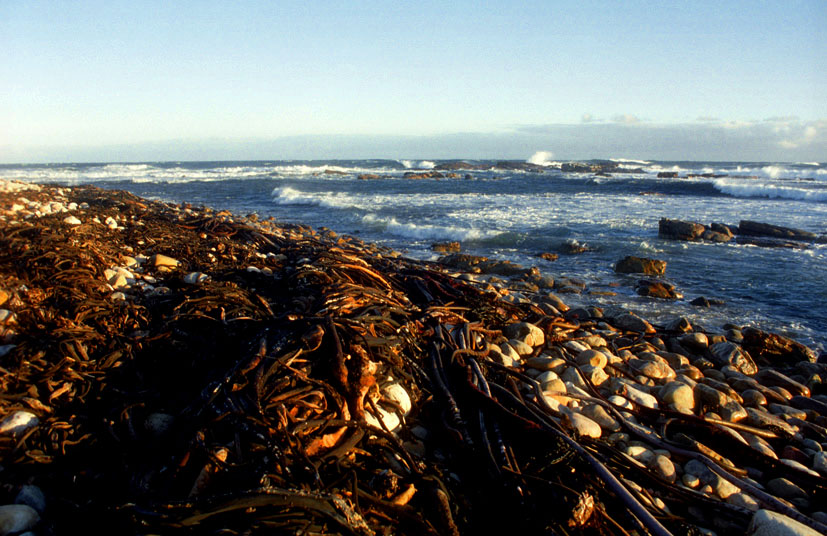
171, 369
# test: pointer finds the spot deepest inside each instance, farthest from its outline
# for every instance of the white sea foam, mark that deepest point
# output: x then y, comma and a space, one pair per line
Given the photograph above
757, 189
542, 158
286, 195
629, 161
425, 231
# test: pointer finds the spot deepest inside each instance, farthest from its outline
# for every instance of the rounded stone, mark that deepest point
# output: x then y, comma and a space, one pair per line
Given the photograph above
521, 347
753, 397
690, 481
678, 394
592, 357
768, 523
785, 489
743, 500
663, 467
528, 333
16, 518
582, 425
31, 496
598, 414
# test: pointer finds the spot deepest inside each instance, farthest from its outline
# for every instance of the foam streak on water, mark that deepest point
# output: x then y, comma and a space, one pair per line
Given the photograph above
516, 214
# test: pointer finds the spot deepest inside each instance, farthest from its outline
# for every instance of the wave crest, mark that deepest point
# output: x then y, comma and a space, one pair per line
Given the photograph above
739, 189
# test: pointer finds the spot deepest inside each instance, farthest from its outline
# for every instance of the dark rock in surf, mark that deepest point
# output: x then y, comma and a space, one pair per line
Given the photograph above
712, 236
368, 176
446, 247
573, 247
680, 230
640, 265
774, 348
668, 175
723, 229
455, 166
706, 302
519, 166
657, 289
754, 228
423, 175
770, 242
548, 256
463, 261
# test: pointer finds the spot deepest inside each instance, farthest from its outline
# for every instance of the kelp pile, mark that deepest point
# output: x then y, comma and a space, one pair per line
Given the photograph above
170, 369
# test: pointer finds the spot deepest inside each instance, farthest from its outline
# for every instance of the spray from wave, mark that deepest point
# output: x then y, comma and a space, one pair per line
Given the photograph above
541, 158
422, 164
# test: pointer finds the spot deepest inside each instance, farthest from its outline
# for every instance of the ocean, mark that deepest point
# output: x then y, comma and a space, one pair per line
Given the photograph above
513, 211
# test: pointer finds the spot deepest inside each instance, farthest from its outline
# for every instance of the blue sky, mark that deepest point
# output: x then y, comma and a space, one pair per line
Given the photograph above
214, 80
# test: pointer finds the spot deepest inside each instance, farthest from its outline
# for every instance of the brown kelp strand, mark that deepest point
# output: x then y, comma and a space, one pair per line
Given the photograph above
175, 369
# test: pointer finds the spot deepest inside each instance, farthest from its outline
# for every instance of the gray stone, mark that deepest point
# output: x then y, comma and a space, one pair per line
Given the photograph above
592, 357
632, 322
762, 419
509, 352
15, 518
528, 333
700, 470
694, 341
753, 397
582, 425
31, 496
710, 396
663, 467
678, 395
596, 375
521, 347
598, 414
782, 409
18, 422
652, 369
743, 500
785, 489
798, 465
727, 353
759, 444
820, 462
769, 523
723, 488
732, 411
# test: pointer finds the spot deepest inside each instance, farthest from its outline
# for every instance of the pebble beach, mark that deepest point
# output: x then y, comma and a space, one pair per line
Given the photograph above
171, 368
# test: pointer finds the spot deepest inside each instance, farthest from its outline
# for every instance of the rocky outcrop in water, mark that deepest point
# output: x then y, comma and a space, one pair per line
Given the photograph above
754, 228
640, 265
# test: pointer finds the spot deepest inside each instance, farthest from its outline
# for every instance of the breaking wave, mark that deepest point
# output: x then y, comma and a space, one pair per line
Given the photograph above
740, 189
542, 158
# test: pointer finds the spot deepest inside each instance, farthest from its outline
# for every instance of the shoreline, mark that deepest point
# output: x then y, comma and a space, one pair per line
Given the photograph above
230, 365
